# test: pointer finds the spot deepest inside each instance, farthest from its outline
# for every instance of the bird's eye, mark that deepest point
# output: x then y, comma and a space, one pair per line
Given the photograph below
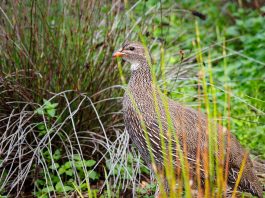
131, 48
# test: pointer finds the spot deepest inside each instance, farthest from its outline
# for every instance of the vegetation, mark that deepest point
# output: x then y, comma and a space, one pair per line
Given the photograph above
60, 105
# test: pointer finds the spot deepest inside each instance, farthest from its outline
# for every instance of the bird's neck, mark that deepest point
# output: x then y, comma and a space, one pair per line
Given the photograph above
140, 77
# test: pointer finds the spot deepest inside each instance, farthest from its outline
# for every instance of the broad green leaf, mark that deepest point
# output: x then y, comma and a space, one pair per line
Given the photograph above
60, 188
79, 164
69, 172
41, 126
39, 111
51, 106
76, 157
54, 166
90, 163
62, 170
46, 102
51, 112
93, 175
57, 155
48, 189
67, 165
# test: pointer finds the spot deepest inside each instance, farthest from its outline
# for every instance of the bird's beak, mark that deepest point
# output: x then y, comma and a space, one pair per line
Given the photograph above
117, 54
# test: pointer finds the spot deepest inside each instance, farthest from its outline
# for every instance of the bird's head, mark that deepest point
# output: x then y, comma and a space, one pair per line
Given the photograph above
132, 52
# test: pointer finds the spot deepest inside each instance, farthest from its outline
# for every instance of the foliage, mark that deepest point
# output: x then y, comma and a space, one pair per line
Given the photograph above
249, 29
47, 50
64, 171
131, 161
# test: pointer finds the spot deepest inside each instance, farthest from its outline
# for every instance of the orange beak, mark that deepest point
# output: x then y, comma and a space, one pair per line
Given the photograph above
117, 54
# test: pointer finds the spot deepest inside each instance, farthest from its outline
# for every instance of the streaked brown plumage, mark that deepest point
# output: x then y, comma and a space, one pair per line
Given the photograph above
139, 105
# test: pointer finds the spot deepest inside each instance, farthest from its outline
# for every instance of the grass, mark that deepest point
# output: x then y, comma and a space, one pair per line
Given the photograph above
61, 52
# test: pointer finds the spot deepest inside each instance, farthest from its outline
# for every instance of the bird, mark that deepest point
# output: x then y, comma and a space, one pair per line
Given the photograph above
149, 115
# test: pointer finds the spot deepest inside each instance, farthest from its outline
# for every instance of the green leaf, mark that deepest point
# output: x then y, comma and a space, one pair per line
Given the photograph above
48, 189
41, 127
67, 165
42, 133
51, 112
46, 102
54, 166
69, 172
39, 111
40, 182
83, 186
68, 188
53, 105
62, 170
232, 31
93, 175
77, 157
55, 178
61, 188
90, 163
57, 155
79, 164
144, 169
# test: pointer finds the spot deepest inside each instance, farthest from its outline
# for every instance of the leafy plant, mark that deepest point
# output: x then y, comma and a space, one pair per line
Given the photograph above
146, 190
127, 171
48, 110
62, 174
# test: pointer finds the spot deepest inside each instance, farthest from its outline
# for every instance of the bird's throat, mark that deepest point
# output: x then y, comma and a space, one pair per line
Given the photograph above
135, 66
